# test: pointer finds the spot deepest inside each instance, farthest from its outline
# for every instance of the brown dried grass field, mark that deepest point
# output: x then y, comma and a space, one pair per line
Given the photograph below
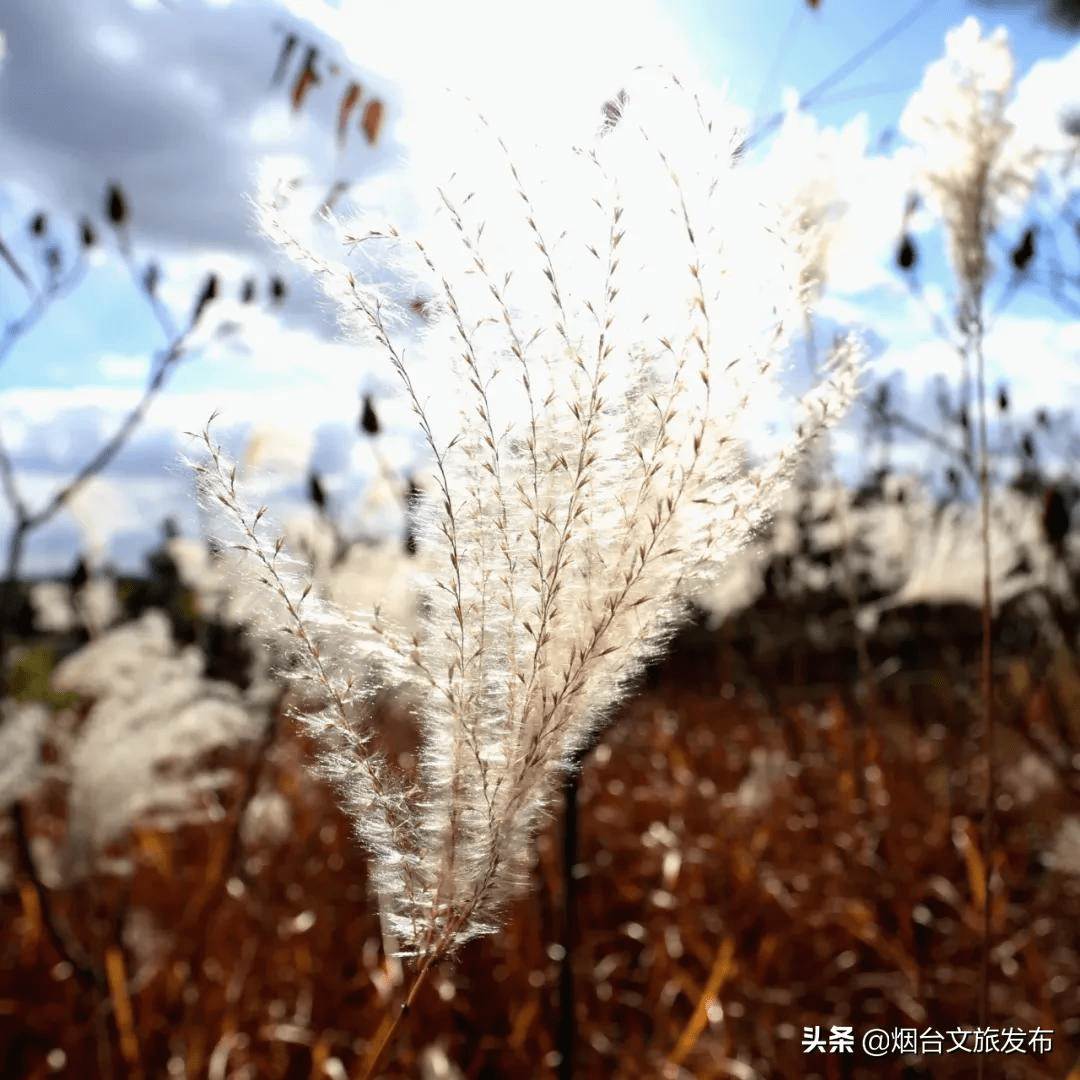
756, 854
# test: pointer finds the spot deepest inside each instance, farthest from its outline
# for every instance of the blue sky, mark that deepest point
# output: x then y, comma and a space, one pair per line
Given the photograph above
175, 102
763, 48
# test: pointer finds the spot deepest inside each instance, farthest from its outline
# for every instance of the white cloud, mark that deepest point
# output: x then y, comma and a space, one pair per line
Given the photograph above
117, 368
1036, 357
116, 43
1045, 98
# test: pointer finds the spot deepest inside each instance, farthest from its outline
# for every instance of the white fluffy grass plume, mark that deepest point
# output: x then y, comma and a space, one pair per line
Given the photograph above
600, 330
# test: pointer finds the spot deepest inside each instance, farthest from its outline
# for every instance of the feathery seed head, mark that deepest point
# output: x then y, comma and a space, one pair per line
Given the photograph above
604, 330
975, 165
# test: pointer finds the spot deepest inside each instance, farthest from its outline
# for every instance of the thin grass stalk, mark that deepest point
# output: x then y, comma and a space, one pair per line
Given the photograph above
986, 676
567, 1035
388, 1026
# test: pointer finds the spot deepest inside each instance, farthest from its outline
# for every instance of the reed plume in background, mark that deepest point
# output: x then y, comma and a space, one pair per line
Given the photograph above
602, 332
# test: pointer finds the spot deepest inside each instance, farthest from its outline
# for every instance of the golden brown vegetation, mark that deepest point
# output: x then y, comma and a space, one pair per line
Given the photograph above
749, 864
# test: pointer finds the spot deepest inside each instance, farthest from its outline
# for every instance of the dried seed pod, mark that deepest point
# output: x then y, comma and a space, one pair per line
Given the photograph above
79, 576
115, 205
369, 421
349, 102
1055, 520
372, 121
287, 47
906, 255
38, 224
277, 290
86, 233
206, 297
307, 78
247, 293
316, 492
1024, 252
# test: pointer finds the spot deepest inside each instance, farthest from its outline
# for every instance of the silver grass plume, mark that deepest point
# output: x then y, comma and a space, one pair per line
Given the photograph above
598, 340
